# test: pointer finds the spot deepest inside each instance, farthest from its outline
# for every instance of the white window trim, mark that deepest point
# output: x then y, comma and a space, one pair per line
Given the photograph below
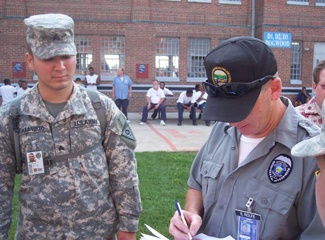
201, 1
230, 2
298, 3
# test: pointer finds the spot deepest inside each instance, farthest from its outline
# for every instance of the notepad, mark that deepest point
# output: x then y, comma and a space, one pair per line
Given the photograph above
157, 236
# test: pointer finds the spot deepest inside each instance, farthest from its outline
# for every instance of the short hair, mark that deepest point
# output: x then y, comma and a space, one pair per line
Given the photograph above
189, 91
316, 73
91, 68
6, 81
23, 81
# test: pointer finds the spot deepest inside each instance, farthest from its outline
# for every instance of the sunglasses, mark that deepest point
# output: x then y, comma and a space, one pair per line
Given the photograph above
235, 89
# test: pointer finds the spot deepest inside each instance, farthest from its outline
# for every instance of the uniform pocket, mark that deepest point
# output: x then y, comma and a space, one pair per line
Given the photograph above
271, 203
209, 173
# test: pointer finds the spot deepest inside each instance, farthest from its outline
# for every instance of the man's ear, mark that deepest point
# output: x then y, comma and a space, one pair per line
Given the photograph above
30, 62
276, 88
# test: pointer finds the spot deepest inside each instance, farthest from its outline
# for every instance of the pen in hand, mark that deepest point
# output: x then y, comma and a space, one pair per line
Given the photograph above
180, 213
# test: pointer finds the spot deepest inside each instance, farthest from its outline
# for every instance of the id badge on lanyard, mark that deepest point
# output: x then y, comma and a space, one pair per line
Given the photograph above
248, 223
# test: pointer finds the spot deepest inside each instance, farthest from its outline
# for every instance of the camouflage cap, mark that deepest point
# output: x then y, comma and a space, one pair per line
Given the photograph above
50, 35
314, 146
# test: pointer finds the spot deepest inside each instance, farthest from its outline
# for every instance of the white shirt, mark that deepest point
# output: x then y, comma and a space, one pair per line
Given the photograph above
92, 80
155, 95
246, 145
185, 99
198, 94
167, 91
22, 91
7, 93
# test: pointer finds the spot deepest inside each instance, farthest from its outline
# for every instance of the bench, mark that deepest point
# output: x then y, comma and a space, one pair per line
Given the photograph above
170, 103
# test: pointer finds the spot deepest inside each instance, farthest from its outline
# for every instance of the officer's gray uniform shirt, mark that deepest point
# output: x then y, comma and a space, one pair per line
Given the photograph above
287, 205
83, 197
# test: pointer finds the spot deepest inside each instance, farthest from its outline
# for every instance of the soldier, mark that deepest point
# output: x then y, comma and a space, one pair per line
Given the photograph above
83, 184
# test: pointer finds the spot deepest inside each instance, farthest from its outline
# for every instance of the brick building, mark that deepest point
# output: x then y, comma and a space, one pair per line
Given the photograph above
168, 39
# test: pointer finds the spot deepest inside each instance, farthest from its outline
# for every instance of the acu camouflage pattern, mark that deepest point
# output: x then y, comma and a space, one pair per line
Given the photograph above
90, 196
50, 35
314, 146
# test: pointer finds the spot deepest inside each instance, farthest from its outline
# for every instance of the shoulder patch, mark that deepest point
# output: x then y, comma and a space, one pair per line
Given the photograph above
127, 132
280, 168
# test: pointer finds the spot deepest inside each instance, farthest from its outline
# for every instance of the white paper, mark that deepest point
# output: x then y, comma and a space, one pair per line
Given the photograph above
202, 236
158, 236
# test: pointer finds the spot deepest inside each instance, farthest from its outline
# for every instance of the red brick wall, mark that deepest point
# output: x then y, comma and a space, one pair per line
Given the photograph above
142, 21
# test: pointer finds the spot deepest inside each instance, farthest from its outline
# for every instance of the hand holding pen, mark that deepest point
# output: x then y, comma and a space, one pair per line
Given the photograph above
180, 213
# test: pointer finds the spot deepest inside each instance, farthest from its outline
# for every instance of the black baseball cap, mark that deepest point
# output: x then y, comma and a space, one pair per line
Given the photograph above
236, 71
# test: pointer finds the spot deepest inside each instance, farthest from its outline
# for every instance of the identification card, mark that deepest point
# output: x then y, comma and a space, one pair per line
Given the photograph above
248, 225
35, 162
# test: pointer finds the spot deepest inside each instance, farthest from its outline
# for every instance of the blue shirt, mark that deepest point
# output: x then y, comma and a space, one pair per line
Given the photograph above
122, 87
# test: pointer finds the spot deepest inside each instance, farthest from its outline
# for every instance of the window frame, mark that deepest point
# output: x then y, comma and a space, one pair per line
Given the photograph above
197, 47
114, 46
167, 53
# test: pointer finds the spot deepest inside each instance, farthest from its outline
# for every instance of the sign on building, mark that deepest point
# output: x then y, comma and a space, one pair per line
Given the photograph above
278, 39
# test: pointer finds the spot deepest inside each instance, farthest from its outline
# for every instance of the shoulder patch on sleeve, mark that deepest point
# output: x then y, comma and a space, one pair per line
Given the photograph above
125, 131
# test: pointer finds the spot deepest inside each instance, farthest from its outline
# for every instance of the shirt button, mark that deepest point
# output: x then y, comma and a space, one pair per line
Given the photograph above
231, 178
221, 207
264, 201
233, 147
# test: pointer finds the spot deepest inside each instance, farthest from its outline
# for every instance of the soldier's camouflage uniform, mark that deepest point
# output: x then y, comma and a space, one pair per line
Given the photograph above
90, 196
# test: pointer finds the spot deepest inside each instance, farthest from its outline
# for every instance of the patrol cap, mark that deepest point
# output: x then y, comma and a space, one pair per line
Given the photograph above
314, 146
50, 35
236, 71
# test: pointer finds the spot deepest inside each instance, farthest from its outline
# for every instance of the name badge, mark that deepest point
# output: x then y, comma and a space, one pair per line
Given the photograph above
248, 225
35, 162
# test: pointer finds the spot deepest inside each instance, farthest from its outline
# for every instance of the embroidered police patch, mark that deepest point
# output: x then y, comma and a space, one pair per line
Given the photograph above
280, 168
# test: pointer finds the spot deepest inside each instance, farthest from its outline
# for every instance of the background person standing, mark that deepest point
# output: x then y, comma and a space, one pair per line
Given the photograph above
122, 90
7, 91
92, 79
312, 109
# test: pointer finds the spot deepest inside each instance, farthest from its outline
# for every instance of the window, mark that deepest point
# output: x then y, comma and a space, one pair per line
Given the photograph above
197, 49
112, 56
167, 59
202, 1
84, 54
295, 76
237, 2
320, 3
298, 2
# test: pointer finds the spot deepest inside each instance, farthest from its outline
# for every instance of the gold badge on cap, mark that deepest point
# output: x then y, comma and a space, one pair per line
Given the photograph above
220, 76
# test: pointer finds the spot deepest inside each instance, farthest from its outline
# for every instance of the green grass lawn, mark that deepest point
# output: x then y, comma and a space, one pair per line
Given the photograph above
163, 177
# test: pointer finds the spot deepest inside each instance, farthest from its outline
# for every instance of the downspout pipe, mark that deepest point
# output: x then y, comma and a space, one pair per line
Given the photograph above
253, 18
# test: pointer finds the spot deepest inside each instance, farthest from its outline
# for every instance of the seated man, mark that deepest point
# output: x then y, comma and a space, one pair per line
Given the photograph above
167, 92
155, 100
186, 100
302, 97
201, 98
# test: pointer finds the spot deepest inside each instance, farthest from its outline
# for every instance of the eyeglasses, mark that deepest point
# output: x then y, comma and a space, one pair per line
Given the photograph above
317, 172
235, 89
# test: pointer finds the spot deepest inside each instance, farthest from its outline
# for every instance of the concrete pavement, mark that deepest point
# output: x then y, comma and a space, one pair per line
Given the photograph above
153, 137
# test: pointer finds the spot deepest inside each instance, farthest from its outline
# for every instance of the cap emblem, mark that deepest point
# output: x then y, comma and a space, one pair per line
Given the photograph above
220, 76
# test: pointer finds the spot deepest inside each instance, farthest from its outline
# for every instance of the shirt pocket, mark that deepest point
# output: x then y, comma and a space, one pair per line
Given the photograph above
209, 173
271, 203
